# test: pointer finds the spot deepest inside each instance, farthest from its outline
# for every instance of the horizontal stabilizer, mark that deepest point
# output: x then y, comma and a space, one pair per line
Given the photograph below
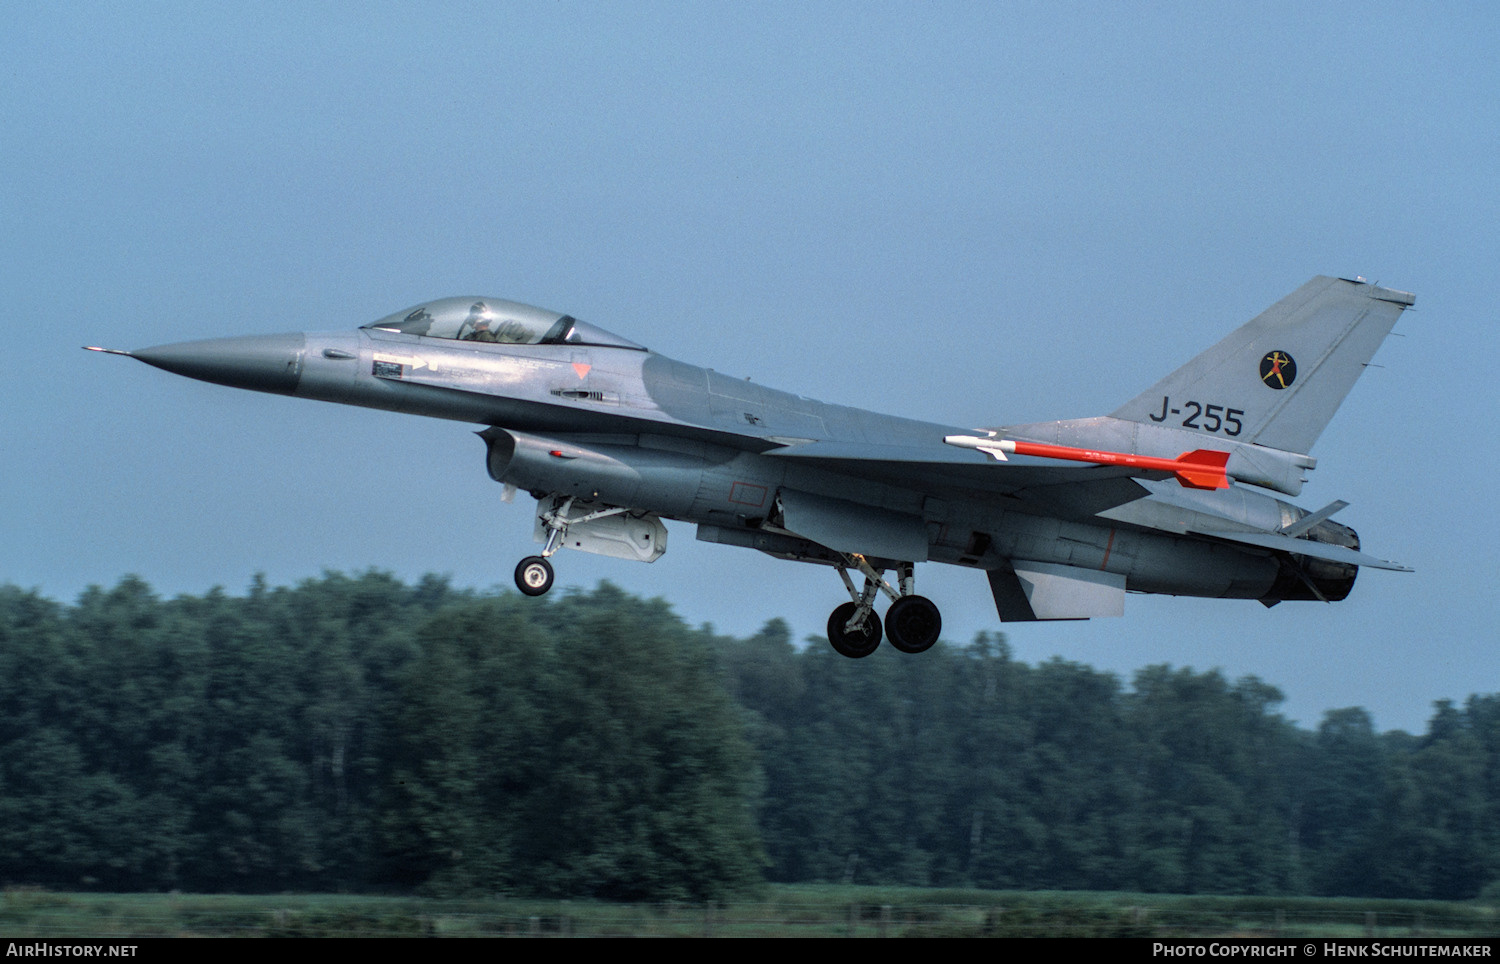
1304, 547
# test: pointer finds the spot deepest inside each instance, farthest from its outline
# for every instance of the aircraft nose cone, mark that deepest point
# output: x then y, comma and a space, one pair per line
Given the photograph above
264, 363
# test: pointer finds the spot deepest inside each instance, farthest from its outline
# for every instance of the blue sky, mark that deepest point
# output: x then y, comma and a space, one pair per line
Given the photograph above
970, 213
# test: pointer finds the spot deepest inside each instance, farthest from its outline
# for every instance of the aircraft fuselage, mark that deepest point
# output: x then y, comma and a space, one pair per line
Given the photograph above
1167, 495
642, 430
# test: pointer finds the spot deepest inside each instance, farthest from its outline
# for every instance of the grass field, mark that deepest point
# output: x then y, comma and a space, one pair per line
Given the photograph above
792, 911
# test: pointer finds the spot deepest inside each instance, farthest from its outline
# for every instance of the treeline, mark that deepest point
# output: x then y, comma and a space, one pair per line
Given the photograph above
363, 734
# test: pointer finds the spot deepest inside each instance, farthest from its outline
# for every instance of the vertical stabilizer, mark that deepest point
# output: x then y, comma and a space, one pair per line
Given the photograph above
1277, 380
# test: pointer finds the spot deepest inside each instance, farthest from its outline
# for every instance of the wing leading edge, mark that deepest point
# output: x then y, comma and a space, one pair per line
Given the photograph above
965, 472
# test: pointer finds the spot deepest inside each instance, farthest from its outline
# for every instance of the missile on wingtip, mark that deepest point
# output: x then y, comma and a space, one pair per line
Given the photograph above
1198, 469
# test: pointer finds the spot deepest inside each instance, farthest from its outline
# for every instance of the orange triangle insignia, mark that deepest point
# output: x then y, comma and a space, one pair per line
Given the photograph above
582, 369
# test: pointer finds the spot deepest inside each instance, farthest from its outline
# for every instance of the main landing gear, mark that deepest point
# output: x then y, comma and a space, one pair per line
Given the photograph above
912, 623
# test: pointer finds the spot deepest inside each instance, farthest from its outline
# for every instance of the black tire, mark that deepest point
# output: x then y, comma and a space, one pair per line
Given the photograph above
853, 645
534, 575
913, 624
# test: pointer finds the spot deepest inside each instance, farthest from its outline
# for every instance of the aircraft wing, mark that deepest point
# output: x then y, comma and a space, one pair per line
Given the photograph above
1072, 490
1069, 490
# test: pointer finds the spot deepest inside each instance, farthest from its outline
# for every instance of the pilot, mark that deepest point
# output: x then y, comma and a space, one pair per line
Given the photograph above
478, 324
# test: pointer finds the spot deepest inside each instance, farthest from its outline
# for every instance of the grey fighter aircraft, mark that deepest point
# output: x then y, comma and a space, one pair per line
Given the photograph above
1170, 493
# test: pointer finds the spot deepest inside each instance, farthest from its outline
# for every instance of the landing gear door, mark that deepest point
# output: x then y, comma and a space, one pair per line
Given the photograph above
848, 527
620, 536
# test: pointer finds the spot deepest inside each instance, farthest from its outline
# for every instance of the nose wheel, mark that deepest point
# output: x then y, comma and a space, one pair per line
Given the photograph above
912, 623
534, 575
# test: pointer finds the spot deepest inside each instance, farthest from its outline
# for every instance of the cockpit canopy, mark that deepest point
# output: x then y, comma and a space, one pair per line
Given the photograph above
499, 322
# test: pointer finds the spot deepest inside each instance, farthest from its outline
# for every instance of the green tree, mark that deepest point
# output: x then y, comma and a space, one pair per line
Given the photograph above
1212, 764
582, 747
1345, 768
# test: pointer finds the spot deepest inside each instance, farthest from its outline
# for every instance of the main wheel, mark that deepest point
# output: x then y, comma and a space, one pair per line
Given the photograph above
857, 644
534, 575
913, 623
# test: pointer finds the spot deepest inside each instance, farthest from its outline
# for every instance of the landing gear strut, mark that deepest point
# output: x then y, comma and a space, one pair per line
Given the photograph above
534, 574
912, 624
853, 643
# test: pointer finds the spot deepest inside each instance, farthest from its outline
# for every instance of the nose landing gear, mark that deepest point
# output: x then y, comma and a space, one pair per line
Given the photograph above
912, 623
607, 530
534, 574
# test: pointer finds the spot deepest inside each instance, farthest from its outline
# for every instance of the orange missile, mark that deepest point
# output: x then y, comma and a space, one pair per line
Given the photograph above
1198, 469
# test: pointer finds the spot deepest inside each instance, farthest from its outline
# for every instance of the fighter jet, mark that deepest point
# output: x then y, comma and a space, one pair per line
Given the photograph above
1174, 492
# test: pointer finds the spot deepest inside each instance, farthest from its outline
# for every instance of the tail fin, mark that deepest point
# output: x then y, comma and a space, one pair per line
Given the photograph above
1278, 379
